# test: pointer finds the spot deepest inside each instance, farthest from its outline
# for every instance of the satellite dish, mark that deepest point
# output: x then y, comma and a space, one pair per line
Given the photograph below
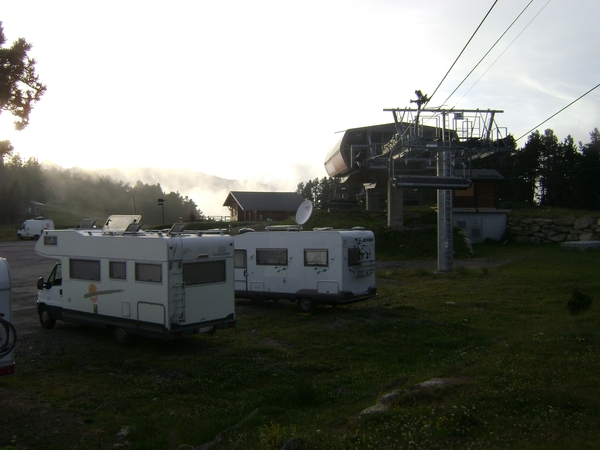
303, 213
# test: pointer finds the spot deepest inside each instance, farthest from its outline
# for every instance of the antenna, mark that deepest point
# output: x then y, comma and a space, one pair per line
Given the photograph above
303, 213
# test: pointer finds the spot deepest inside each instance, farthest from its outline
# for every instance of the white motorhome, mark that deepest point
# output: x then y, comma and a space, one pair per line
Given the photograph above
310, 267
33, 228
164, 285
8, 334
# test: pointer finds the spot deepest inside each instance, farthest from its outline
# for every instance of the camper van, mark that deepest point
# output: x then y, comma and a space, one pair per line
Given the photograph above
309, 267
33, 228
156, 284
8, 334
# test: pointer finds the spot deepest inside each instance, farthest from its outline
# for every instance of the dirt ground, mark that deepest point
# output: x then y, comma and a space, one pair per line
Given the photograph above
31, 421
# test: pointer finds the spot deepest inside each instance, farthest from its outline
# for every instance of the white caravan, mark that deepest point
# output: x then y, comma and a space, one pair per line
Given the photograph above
33, 228
164, 285
321, 266
8, 335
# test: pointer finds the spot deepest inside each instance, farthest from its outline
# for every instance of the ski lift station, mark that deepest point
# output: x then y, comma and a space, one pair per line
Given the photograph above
427, 149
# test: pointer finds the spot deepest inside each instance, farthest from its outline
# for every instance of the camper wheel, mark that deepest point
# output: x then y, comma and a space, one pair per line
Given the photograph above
306, 305
46, 319
121, 335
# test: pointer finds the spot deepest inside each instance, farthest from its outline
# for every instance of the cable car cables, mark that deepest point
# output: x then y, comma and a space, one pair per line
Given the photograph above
558, 112
488, 52
464, 48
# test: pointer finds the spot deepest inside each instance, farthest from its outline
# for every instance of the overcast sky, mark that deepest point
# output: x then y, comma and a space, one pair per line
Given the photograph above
258, 89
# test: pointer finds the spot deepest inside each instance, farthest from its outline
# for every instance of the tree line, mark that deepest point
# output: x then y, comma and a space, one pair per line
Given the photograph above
549, 173
544, 172
22, 182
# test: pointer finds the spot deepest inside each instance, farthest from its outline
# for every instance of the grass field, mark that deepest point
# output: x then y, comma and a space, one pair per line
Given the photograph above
512, 366
515, 368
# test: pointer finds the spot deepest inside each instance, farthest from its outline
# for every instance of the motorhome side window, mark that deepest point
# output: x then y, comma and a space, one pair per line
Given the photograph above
83, 269
271, 256
239, 259
204, 272
354, 257
117, 270
316, 258
151, 273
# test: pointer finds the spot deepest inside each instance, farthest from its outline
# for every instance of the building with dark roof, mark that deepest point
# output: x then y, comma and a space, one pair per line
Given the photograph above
259, 206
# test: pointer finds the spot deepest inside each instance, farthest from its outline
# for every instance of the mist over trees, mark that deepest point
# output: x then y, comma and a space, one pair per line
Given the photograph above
103, 196
20, 181
83, 192
544, 172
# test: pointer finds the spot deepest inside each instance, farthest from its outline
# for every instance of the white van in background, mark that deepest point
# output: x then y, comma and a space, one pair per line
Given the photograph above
33, 228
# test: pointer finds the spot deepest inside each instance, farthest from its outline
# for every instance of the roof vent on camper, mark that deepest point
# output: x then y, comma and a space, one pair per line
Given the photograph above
88, 224
177, 228
133, 228
117, 224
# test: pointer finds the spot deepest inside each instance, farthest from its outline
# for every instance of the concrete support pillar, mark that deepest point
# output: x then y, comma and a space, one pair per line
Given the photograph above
395, 207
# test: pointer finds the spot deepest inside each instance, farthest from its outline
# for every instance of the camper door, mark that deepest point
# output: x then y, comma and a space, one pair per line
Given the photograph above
50, 292
241, 269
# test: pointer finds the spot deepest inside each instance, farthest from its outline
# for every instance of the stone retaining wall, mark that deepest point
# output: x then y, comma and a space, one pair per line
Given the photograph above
565, 229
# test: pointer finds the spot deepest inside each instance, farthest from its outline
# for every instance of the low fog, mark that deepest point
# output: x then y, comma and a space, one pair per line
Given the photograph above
207, 191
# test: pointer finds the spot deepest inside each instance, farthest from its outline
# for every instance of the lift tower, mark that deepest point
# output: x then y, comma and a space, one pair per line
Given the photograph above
434, 148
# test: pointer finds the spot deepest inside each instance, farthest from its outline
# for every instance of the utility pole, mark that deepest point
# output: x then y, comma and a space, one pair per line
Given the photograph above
161, 202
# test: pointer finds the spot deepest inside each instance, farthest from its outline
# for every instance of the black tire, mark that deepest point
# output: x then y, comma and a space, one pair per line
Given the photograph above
121, 335
20, 236
46, 319
306, 305
8, 337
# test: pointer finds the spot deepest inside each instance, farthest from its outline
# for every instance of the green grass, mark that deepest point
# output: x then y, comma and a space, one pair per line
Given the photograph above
525, 370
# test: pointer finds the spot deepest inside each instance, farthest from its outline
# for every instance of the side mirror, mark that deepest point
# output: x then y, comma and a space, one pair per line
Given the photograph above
40, 284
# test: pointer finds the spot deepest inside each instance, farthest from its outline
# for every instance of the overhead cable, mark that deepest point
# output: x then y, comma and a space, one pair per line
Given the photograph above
558, 112
464, 48
487, 53
503, 52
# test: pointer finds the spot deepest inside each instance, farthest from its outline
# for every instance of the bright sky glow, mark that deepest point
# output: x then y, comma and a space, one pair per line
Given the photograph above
256, 90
